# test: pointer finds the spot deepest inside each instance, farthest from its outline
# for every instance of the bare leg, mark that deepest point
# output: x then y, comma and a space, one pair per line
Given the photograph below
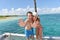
37, 38
40, 34
32, 37
37, 34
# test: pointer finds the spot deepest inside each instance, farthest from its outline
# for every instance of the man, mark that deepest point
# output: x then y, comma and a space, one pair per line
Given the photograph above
28, 27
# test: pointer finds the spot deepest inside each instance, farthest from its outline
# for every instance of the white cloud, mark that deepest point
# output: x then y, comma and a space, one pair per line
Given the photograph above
22, 11
51, 10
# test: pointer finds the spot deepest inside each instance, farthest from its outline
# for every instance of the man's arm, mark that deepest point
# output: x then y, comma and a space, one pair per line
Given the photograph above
22, 23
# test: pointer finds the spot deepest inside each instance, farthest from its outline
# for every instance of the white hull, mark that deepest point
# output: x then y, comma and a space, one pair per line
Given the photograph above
13, 36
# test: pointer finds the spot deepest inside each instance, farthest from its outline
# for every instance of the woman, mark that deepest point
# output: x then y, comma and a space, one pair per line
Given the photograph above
38, 26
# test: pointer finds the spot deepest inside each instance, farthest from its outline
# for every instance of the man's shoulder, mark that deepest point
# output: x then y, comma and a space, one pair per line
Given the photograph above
26, 20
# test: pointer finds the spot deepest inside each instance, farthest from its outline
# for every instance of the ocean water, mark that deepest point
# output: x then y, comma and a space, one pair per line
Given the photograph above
49, 22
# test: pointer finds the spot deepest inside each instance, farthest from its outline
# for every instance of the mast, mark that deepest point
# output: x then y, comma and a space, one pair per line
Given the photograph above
35, 6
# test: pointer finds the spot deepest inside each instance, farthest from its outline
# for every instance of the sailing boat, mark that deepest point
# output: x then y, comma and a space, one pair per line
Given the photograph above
14, 36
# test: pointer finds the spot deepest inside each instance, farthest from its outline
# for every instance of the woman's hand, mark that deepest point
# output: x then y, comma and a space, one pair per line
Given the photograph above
34, 25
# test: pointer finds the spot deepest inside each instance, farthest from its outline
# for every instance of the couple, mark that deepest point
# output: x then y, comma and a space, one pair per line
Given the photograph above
31, 22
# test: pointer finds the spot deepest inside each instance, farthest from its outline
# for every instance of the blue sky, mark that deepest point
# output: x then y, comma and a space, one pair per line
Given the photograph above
24, 3
41, 5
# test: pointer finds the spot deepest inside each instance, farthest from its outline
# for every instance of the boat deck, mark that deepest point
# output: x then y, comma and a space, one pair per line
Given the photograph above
13, 36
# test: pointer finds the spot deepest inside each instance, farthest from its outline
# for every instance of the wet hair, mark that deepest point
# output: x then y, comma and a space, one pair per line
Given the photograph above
29, 12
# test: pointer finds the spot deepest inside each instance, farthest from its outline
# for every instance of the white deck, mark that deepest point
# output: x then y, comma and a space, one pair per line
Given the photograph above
13, 36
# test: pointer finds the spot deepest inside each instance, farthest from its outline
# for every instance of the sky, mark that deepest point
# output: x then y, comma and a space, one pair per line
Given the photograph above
20, 7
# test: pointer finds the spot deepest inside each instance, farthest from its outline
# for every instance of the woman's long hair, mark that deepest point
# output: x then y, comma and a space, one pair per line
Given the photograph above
38, 19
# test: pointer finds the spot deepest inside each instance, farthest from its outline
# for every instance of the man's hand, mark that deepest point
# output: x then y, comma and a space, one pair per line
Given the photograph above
21, 22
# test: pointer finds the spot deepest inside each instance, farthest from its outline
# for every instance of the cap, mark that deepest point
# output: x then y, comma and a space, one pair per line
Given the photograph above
35, 14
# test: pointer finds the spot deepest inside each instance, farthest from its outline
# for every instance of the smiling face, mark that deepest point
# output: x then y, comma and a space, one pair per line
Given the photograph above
29, 14
34, 18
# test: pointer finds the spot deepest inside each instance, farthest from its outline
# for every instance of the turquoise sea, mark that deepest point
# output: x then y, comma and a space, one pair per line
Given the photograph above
49, 22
